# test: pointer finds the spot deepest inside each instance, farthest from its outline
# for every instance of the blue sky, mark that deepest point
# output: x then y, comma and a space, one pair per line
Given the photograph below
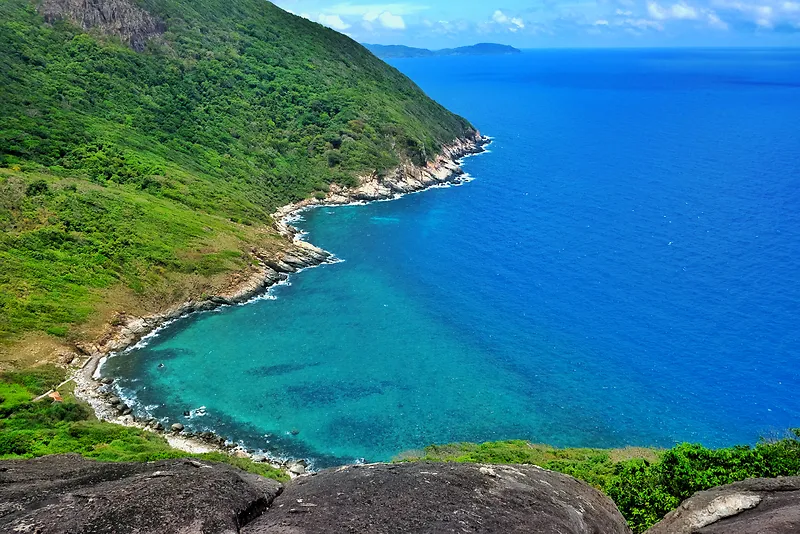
560, 23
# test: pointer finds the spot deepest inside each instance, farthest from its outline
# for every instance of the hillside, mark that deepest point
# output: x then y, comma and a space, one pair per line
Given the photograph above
144, 146
480, 49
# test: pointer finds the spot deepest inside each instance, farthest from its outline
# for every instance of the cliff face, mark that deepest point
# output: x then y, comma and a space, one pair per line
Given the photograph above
406, 178
119, 18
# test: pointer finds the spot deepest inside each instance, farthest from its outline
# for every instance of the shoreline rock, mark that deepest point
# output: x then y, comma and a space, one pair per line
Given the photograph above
405, 179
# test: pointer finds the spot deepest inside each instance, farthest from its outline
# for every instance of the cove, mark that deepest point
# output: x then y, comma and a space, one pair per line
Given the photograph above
622, 270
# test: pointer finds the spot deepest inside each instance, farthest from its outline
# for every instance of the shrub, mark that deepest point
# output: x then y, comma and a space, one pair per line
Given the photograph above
37, 187
30, 429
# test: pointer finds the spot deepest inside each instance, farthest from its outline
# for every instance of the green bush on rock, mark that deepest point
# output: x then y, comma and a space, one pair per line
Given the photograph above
645, 484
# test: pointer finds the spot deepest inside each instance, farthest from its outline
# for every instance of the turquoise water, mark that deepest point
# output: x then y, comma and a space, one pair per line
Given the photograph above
622, 270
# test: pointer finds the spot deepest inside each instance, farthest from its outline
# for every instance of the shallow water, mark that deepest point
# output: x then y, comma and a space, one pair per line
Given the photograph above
622, 270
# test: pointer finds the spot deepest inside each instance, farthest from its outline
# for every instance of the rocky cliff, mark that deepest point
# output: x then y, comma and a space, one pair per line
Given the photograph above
68, 494
118, 18
756, 506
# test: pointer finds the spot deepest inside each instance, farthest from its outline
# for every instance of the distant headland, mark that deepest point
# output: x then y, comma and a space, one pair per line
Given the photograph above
480, 49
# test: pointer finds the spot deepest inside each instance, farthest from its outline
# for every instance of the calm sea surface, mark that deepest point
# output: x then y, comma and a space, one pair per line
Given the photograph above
623, 270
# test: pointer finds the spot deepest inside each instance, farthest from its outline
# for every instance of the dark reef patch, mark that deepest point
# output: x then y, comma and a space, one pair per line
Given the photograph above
281, 369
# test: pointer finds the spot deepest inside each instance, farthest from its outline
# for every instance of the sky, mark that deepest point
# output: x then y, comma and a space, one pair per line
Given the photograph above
560, 23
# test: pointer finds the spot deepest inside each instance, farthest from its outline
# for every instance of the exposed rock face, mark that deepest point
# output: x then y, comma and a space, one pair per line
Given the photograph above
61, 494
120, 18
404, 179
757, 506
427, 497
68, 494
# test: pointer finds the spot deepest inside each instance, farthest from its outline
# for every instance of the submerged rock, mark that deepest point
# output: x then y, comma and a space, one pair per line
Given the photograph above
756, 506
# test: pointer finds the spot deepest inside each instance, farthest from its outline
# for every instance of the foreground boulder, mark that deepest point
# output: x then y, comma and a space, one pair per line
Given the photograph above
69, 494
756, 506
437, 497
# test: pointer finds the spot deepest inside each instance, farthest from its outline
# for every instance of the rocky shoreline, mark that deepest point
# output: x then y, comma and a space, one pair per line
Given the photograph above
405, 179
127, 331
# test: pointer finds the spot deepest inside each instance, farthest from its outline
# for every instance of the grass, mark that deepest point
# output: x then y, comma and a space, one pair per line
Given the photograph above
32, 429
595, 466
69, 250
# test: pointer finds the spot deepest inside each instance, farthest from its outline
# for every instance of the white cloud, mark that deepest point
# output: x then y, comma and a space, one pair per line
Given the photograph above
715, 22
764, 18
500, 17
680, 11
643, 24
332, 21
624, 13
373, 11
601, 22
513, 23
762, 14
683, 11
391, 22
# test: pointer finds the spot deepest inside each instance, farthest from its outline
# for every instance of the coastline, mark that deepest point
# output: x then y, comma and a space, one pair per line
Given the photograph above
128, 331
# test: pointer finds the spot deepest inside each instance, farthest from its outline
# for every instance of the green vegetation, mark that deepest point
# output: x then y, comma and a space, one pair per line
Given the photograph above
645, 484
30, 429
158, 170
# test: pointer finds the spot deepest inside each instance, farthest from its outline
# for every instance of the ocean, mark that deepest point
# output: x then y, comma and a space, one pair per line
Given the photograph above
623, 269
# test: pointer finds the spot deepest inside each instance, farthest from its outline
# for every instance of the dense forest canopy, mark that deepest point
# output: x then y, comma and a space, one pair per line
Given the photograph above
119, 165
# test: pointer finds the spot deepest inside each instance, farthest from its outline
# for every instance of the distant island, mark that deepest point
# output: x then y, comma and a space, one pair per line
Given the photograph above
480, 49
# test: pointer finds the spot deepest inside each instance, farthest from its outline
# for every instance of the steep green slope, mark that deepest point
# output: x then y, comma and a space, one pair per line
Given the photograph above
157, 170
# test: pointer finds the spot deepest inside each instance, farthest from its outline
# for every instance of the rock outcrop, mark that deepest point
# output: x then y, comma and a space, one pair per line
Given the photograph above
756, 506
118, 18
61, 494
68, 494
425, 497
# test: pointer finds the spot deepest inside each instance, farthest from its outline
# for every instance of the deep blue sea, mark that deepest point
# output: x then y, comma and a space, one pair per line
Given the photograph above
624, 269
